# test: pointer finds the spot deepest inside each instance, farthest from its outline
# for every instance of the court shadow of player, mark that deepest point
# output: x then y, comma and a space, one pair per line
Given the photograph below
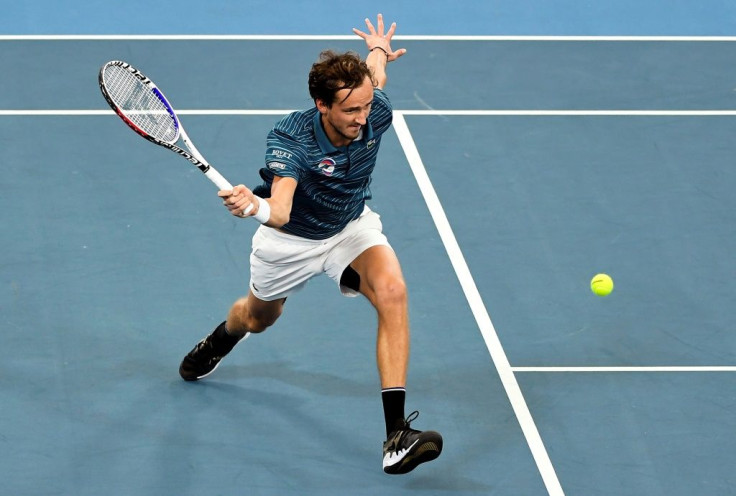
309, 379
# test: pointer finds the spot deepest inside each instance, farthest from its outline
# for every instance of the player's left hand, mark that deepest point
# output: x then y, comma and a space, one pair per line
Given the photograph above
375, 37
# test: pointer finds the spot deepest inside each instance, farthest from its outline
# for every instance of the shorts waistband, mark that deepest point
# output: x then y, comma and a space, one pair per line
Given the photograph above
279, 234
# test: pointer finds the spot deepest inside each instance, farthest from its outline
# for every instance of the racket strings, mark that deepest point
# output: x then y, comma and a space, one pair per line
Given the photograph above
140, 103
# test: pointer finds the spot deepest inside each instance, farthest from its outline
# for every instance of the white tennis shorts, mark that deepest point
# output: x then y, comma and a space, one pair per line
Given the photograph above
281, 263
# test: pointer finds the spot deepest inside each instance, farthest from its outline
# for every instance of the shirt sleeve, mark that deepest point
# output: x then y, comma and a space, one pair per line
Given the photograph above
284, 155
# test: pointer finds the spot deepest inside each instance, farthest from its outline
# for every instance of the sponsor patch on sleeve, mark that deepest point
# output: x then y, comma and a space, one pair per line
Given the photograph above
280, 154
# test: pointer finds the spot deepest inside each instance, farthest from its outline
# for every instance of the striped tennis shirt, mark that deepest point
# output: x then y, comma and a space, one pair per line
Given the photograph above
333, 183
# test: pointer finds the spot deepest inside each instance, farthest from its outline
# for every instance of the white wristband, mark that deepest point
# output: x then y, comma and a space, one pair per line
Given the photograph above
264, 211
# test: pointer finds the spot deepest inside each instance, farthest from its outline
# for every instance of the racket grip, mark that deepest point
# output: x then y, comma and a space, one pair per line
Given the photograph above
217, 178
222, 183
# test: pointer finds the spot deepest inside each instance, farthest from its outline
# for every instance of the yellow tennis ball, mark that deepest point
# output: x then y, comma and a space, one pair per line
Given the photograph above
601, 284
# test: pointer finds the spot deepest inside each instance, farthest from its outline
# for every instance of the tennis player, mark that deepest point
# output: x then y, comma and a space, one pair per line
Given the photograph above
312, 205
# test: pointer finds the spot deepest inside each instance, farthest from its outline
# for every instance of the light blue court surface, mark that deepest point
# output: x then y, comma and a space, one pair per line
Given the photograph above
515, 171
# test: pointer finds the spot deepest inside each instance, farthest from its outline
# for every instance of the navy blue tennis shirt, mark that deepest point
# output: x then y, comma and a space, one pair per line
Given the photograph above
332, 183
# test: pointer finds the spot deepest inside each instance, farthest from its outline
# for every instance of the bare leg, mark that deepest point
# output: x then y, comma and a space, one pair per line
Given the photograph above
382, 282
250, 314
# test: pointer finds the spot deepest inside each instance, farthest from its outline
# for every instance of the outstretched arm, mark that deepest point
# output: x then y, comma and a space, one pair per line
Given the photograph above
379, 46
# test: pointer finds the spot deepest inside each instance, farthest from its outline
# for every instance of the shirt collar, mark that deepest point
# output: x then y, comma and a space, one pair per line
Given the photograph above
319, 132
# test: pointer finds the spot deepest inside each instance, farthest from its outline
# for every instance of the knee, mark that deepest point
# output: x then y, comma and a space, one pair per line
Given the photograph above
259, 322
390, 291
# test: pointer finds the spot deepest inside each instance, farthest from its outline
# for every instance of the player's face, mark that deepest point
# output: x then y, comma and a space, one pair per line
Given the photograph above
348, 114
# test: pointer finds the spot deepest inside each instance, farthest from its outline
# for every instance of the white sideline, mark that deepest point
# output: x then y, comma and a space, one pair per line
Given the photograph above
498, 355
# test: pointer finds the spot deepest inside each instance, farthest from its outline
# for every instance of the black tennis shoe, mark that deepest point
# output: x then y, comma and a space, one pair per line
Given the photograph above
205, 356
406, 447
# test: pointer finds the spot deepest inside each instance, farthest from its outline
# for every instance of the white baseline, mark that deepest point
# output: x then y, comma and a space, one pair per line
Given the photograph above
429, 113
309, 37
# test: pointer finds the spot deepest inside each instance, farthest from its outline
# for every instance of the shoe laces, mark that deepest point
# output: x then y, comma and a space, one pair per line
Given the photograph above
411, 418
205, 346
403, 428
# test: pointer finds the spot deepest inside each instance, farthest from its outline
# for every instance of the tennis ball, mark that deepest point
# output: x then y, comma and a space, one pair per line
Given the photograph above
601, 284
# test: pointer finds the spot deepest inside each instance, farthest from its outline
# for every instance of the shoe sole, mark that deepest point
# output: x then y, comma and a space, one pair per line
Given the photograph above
196, 378
425, 452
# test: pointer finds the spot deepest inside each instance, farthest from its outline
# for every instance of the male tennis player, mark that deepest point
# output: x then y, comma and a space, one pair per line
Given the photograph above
315, 220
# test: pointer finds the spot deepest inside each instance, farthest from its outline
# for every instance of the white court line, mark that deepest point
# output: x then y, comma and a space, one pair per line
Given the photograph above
110, 112
308, 37
627, 369
498, 355
465, 113
654, 113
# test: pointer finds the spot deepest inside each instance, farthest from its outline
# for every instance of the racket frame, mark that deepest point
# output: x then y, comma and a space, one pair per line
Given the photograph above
191, 154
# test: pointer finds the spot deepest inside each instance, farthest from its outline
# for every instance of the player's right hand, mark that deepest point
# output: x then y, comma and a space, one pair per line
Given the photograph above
238, 200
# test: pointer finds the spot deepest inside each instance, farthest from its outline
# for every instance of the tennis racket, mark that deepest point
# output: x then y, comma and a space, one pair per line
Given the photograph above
145, 109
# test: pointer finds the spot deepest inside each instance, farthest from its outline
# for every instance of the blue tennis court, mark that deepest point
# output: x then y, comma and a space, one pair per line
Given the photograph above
517, 168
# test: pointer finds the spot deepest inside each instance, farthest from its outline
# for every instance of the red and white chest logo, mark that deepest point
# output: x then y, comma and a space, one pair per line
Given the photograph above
327, 166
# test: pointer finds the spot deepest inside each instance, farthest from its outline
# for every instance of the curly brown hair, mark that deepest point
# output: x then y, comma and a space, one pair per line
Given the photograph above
334, 72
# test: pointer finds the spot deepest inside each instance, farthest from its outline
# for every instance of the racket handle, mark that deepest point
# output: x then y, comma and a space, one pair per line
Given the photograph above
222, 183
217, 178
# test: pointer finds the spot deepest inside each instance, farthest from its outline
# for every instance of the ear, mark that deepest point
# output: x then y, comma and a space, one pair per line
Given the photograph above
322, 107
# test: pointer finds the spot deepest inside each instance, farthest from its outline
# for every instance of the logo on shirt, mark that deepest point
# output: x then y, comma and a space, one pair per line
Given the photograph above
280, 154
369, 144
276, 165
327, 166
